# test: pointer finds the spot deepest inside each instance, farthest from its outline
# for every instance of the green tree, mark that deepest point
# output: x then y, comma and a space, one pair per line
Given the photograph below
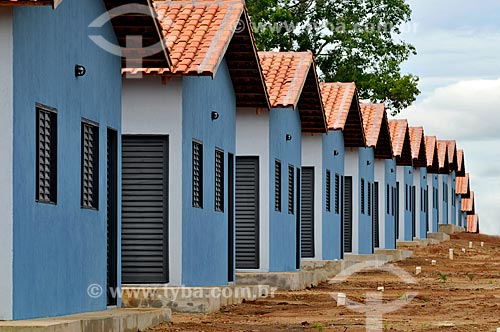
353, 41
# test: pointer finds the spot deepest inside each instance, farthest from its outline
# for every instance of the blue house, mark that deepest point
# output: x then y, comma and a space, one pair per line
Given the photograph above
323, 172
60, 98
358, 197
401, 147
179, 146
419, 158
453, 168
460, 173
463, 191
443, 192
269, 164
432, 182
378, 137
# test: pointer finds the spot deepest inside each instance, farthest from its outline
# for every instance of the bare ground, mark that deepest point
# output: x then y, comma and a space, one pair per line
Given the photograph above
454, 295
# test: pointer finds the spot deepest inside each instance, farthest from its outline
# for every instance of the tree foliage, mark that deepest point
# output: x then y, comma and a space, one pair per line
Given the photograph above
353, 41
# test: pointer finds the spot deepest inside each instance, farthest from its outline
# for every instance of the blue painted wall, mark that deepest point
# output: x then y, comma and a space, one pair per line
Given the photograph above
421, 208
459, 209
433, 207
59, 250
366, 172
408, 230
282, 225
204, 230
390, 220
452, 202
444, 202
331, 237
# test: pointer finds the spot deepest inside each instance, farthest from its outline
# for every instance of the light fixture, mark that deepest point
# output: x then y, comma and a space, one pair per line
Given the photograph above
214, 115
335, 153
392, 170
409, 171
288, 137
80, 71
368, 162
424, 177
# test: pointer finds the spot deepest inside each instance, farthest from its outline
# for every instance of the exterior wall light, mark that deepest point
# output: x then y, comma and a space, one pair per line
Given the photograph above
80, 71
336, 153
214, 116
368, 162
392, 170
288, 137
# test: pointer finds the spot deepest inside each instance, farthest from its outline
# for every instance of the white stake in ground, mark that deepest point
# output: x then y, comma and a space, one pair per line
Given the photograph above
470, 245
451, 254
418, 270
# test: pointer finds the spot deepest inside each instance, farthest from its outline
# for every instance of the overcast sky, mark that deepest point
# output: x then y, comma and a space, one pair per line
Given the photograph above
458, 61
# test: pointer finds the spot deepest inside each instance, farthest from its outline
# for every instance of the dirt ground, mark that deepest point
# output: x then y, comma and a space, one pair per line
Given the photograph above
454, 295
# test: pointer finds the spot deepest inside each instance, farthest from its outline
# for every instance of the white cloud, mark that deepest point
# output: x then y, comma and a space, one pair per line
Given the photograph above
469, 112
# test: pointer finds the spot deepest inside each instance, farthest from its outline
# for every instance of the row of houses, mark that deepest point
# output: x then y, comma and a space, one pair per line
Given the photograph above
187, 164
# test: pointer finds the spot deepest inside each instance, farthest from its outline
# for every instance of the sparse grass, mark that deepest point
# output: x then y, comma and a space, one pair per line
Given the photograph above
442, 277
318, 327
470, 276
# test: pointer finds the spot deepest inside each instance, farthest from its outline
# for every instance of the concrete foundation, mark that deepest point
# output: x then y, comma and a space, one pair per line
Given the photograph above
115, 320
439, 236
282, 280
450, 229
395, 255
191, 299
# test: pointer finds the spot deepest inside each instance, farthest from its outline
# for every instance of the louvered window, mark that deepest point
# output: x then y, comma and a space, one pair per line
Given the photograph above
337, 194
369, 199
362, 196
46, 166
291, 184
90, 165
219, 180
277, 185
197, 174
387, 199
328, 191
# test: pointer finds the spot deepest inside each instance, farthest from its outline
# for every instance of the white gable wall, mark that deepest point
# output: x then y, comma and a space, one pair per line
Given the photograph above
6, 158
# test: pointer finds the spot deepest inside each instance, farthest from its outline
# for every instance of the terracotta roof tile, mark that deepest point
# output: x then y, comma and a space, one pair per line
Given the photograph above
473, 223
289, 76
431, 151
452, 154
285, 74
418, 152
342, 111
400, 138
461, 162
462, 187
197, 34
337, 98
373, 114
468, 203
442, 148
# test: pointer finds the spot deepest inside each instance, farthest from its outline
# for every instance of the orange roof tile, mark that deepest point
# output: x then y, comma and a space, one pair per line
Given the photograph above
400, 138
373, 114
285, 74
342, 111
289, 76
197, 34
418, 152
200, 34
473, 223
442, 148
468, 203
462, 187
452, 154
337, 99
431, 151
376, 128
461, 162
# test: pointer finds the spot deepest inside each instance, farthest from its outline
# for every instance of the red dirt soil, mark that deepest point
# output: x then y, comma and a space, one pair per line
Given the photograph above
454, 295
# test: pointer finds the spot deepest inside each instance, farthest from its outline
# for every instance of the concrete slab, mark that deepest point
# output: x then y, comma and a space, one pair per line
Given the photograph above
450, 229
410, 244
191, 299
282, 280
329, 267
439, 236
395, 255
114, 320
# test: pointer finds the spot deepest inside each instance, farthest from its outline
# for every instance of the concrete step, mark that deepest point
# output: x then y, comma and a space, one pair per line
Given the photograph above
191, 299
439, 236
282, 280
113, 320
450, 229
